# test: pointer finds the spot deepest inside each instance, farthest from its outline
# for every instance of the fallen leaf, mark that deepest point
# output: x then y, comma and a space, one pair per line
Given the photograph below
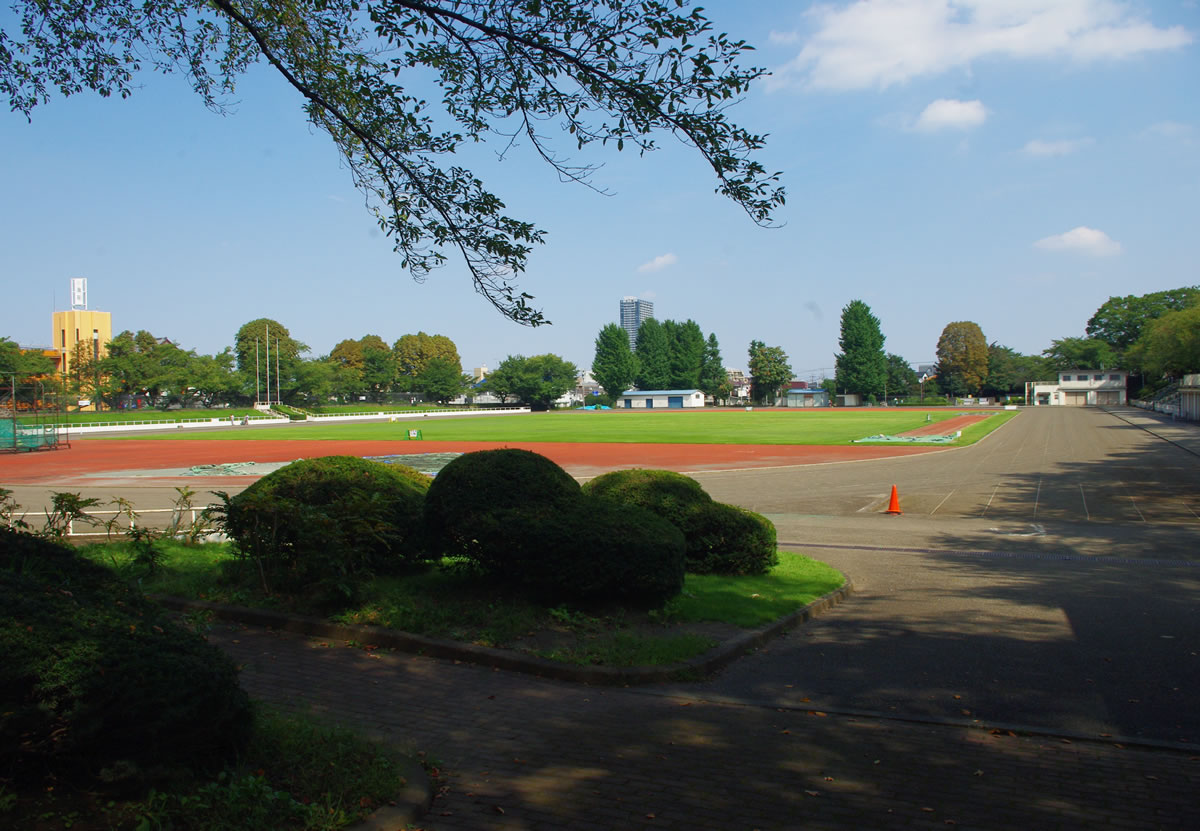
965, 712
978, 773
813, 793
499, 810
927, 810
649, 816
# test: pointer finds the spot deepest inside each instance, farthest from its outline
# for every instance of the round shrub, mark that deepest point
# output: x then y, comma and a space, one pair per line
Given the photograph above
97, 682
325, 522
583, 550
477, 485
726, 539
671, 495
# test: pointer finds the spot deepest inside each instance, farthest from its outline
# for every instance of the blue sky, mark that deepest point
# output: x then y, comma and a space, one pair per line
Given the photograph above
1010, 162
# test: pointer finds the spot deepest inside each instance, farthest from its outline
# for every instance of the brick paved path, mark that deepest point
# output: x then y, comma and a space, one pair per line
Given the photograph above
523, 753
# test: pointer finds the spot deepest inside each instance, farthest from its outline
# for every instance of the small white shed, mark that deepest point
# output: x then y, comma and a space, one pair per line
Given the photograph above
661, 399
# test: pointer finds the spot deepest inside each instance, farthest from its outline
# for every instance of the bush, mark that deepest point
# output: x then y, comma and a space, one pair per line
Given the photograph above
720, 539
586, 550
726, 539
97, 682
671, 495
476, 485
323, 524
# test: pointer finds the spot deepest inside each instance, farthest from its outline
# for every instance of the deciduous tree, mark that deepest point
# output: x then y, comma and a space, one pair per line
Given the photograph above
902, 380
1080, 353
538, 381
769, 371
1121, 320
962, 354
608, 71
441, 380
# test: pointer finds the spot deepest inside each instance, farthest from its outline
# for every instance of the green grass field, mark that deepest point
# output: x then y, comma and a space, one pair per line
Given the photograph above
823, 427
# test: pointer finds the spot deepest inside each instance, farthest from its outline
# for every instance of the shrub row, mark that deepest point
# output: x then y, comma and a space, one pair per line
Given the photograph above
515, 515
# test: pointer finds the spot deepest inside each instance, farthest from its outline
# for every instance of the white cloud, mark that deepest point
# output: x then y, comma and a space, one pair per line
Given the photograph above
877, 43
1037, 147
1171, 130
658, 263
1083, 240
950, 114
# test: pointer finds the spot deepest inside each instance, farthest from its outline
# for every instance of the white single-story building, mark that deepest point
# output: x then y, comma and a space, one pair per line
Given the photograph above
1080, 388
660, 399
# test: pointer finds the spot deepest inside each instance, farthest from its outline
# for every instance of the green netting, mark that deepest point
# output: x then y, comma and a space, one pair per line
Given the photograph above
18, 436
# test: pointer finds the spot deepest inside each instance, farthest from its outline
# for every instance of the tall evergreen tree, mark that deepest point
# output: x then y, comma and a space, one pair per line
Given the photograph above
687, 354
861, 365
614, 366
654, 356
714, 381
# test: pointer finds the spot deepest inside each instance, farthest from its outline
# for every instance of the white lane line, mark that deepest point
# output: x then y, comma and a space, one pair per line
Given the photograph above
1084, 498
1132, 501
943, 502
1037, 496
990, 498
1189, 507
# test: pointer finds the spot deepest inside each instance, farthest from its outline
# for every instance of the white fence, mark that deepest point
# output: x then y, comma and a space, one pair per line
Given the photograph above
180, 519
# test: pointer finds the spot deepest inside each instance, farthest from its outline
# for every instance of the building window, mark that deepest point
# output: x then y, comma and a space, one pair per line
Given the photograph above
1114, 377
1066, 377
1097, 377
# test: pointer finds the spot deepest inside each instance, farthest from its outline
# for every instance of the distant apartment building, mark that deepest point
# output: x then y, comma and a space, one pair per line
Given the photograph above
633, 312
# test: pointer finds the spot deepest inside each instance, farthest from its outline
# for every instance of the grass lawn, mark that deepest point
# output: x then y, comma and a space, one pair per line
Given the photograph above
816, 427
457, 605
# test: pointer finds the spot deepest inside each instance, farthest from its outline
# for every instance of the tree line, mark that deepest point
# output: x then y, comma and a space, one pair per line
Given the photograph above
265, 363
1155, 337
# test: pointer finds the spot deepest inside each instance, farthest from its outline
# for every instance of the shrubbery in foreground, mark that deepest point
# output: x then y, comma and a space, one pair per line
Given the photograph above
320, 525
720, 538
97, 683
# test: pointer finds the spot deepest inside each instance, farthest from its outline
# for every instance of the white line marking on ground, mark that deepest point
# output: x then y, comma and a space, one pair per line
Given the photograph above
990, 498
943, 502
1189, 507
1085, 507
1132, 501
1037, 496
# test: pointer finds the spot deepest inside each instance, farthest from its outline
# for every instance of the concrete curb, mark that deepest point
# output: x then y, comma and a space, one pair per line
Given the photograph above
707, 664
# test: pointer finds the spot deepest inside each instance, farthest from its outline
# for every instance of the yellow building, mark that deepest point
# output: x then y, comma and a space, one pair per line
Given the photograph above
79, 325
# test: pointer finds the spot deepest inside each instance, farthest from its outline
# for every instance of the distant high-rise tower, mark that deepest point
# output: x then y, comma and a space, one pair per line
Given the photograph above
633, 312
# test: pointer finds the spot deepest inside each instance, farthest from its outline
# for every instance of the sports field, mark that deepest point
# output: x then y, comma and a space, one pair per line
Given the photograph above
758, 427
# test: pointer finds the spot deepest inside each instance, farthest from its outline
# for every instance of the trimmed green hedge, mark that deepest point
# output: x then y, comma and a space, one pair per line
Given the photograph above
720, 538
671, 495
97, 683
476, 485
320, 525
726, 539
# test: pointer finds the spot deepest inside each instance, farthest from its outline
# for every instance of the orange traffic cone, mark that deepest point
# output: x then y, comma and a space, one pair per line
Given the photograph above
894, 503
